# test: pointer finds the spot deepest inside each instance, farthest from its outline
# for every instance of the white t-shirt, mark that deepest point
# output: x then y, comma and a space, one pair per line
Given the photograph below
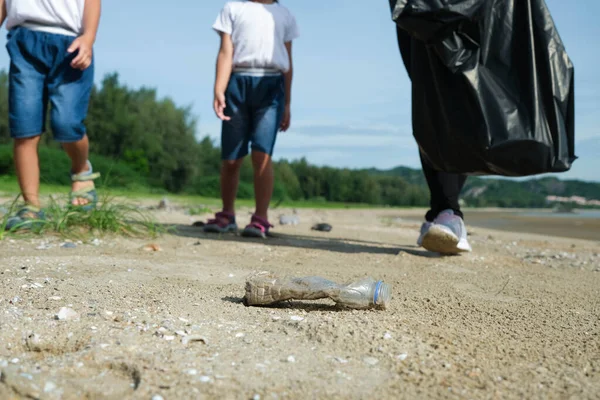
63, 17
259, 33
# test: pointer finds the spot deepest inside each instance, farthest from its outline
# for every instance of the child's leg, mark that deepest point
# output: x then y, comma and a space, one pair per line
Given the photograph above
27, 107
28, 168
69, 91
267, 118
234, 140
78, 153
230, 179
263, 182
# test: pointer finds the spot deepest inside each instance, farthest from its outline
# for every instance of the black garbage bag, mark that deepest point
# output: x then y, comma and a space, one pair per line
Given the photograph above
493, 87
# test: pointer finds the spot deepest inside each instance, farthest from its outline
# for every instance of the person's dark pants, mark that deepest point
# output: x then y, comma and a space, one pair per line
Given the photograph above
444, 188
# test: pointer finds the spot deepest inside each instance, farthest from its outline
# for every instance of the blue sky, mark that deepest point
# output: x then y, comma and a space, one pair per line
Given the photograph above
351, 99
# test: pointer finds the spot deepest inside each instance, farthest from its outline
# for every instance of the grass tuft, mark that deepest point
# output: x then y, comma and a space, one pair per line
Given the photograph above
111, 216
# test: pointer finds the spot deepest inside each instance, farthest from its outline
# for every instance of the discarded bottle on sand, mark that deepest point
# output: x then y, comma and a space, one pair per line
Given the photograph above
266, 288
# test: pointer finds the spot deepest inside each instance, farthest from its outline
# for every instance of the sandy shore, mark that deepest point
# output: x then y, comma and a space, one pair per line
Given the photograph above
544, 222
517, 318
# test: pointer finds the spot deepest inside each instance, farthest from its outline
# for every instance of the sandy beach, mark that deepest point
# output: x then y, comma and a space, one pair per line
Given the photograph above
517, 318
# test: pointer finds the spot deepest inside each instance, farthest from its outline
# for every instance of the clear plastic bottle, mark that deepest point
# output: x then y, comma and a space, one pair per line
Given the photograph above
266, 288
367, 293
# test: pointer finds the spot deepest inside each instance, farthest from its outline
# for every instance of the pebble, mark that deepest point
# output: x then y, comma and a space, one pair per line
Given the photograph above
296, 318
49, 387
371, 360
191, 371
169, 337
276, 317
161, 331
68, 245
240, 334
152, 247
291, 359
402, 356
322, 227
341, 360
164, 204
289, 220
157, 397
14, 361
55, 298
204, 379
193, 338
67, 314
387, 336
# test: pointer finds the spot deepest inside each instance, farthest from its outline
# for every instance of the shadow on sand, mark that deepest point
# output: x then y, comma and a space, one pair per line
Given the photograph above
340, 245
291, 304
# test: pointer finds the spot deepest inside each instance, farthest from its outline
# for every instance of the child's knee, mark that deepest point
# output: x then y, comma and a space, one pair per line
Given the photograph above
27, 141
232, 165
67, 129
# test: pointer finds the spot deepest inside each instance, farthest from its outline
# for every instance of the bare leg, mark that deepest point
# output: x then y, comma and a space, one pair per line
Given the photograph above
78, 152
263, 182
27, 165
230, 179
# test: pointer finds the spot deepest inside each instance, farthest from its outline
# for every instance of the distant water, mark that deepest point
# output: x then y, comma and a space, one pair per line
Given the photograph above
591, 214
583, 224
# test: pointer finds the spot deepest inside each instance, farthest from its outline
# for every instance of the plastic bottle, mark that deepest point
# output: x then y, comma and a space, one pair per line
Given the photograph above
265, 288
367, 293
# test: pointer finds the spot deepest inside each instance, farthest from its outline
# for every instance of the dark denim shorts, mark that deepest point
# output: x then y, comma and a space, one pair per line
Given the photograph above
255, 105
40, 72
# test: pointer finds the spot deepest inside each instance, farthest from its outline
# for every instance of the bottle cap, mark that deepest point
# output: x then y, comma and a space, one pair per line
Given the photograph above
382, 295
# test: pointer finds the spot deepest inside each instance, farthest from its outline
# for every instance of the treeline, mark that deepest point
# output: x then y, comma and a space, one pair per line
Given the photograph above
145, 141
142, 142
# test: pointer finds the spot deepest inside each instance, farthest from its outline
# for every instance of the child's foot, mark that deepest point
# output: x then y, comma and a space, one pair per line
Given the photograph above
78, 191
83, 191
224, 222
259, 228
28, 217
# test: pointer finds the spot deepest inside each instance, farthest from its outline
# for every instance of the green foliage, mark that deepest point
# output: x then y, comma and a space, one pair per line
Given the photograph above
56, 168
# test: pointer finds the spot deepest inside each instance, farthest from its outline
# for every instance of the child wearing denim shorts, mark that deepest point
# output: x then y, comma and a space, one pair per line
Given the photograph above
50, 46
252, 98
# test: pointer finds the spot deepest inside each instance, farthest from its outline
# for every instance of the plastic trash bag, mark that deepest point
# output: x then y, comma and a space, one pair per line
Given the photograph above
493, 87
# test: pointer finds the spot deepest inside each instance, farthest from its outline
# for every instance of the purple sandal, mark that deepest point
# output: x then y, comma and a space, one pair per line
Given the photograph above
258, 228
224, 222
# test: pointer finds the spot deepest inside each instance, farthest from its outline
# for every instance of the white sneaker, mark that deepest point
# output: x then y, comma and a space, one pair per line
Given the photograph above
446, 235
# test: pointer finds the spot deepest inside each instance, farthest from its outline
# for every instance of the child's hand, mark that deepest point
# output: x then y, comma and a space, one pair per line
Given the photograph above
219, 106
286, 119
84, 58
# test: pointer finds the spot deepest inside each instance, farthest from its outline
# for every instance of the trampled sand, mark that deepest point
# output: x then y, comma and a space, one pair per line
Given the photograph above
517, 318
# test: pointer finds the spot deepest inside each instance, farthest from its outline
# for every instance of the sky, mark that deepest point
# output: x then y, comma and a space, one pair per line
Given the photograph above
351, 95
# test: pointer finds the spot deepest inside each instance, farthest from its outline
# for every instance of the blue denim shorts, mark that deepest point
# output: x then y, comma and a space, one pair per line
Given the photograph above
255, 105
40, 72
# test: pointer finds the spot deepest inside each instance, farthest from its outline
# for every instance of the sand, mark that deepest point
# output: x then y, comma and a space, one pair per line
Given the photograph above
517, 318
